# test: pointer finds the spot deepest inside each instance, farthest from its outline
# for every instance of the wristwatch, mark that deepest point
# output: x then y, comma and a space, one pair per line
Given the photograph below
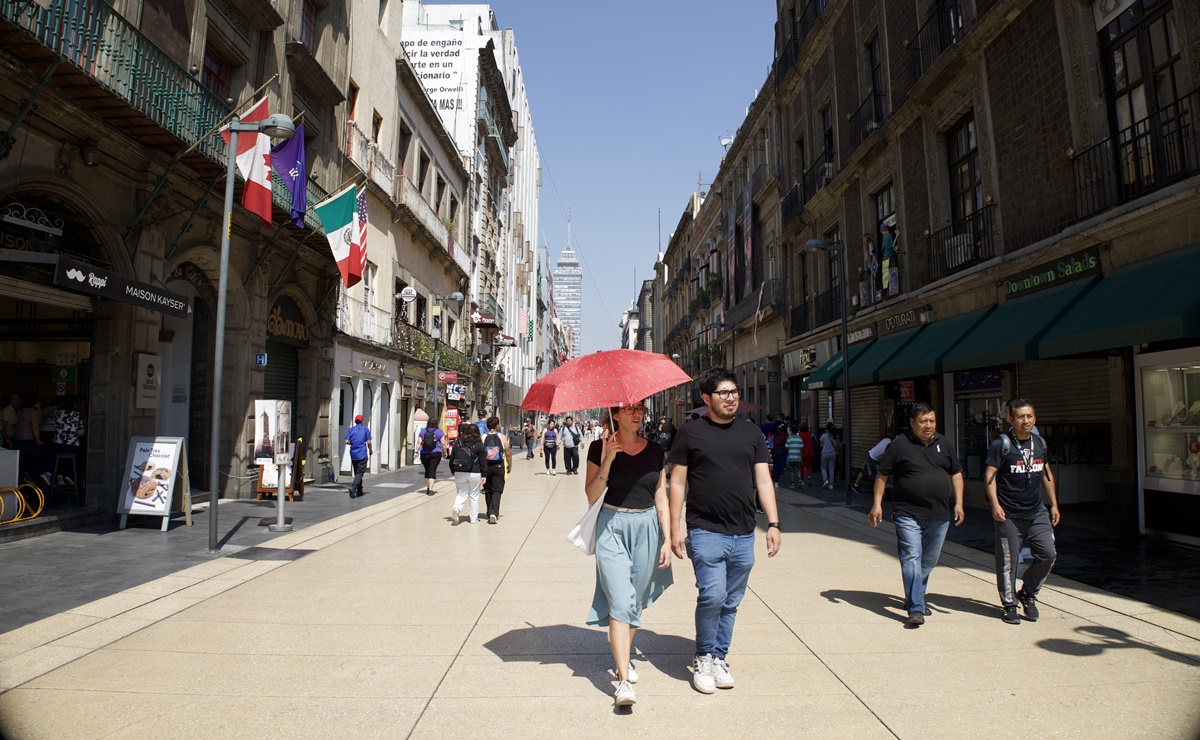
775, 525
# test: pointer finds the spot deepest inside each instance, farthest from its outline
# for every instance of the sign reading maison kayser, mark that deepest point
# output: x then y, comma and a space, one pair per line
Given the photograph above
84, 278
1080, 264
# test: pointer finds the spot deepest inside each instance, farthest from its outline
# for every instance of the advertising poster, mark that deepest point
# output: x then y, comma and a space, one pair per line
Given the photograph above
155, 474
272, 430
146, 387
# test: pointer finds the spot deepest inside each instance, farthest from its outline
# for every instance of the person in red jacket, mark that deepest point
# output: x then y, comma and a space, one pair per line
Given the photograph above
806, 466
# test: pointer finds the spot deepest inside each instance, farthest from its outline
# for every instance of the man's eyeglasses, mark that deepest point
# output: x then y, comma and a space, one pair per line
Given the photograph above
633, 410
727, 394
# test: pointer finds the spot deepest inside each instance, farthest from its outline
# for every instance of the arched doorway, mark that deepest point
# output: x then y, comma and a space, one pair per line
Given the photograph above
187, 349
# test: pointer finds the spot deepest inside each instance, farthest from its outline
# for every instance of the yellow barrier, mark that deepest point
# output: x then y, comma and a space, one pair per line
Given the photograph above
24, 509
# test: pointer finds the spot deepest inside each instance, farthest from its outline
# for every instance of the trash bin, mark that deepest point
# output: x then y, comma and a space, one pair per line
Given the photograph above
516, 438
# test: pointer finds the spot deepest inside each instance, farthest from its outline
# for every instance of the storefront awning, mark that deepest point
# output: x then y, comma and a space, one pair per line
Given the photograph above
864, 369
923, 355
81, 277
1011, 333
1153, 301
829, 375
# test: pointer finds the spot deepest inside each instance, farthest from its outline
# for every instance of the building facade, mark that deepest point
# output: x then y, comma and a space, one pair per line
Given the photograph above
568, 293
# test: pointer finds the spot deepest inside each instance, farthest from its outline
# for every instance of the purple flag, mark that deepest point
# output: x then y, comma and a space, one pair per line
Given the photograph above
289, 163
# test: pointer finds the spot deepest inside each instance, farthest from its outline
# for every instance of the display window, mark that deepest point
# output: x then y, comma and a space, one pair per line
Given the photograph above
1171, 422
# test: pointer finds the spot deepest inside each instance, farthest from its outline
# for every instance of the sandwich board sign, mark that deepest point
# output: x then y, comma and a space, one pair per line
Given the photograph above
155, 471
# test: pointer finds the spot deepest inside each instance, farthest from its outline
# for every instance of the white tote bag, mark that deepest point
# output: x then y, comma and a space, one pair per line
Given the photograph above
583, 535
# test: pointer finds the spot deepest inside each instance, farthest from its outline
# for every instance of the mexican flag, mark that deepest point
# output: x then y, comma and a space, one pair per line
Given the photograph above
339, 217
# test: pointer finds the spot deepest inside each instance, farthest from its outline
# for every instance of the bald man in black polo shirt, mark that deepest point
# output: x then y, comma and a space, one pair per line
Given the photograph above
927, 495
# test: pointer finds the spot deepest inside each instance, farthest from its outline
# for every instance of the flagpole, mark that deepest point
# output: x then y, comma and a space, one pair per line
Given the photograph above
337, 191
228, 117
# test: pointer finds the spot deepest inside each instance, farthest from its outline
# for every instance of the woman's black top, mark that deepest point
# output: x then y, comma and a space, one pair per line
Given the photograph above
632, 479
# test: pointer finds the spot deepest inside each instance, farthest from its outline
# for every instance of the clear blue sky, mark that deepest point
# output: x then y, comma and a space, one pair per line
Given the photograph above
629, 101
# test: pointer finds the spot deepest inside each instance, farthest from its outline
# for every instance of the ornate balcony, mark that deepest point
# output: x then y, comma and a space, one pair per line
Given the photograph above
943, 28
419, 345
867, 119
818, 175
963, 244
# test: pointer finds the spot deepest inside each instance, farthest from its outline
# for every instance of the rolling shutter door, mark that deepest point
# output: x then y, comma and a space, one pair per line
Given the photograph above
281, 381
1066, 391
866, 420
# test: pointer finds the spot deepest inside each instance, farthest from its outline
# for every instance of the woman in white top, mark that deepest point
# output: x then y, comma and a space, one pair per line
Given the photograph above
829, 449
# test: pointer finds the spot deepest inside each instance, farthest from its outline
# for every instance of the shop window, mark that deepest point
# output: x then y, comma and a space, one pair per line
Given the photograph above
966, 188
979, 422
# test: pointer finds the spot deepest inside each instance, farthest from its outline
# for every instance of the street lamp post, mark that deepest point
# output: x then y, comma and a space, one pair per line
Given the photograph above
814, 245
437, 335
733, 332
277, 126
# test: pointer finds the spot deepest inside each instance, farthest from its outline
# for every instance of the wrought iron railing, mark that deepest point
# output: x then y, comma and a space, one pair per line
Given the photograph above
828, 306
417, 344
962, 244
493, 130
363, 320
818, 175
808, 17
792, 205
102, 44
943, 28
762, 175
1162, 148
787, 59
867, 118
798, 321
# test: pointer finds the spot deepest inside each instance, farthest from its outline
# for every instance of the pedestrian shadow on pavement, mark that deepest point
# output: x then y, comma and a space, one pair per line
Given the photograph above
586, 652
1108, 638
892, 605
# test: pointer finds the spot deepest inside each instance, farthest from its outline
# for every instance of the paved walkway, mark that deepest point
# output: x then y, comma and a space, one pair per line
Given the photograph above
389, 621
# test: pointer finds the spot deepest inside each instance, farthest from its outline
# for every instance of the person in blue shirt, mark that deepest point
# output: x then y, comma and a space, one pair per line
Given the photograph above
359, 439
482, 424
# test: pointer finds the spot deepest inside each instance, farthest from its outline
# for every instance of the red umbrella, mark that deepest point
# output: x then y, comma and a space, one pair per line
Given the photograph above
617, 377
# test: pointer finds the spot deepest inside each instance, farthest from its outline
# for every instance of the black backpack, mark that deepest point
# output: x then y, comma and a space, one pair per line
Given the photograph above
428, 441
462, 460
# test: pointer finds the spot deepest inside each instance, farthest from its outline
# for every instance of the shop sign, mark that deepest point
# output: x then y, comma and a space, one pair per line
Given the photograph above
483, 320
860, 335
452, 423
260, 359
84, 278
447, 376
967, 381
908, 391
368, 365
900, 322
146, 386
1081, 264
62, 375
285, 322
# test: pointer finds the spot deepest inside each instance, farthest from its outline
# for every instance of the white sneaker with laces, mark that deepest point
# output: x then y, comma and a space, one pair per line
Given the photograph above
721, 675
624, 696
454, 514
633, 676
702, 674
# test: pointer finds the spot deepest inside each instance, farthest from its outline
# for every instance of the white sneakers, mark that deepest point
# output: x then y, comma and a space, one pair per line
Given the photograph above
633, 676
721, 674
624, 696
702, 674
710, 674
552, 472
455, 514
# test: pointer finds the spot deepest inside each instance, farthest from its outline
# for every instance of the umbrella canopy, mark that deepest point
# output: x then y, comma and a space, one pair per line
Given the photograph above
744, 407
617, 377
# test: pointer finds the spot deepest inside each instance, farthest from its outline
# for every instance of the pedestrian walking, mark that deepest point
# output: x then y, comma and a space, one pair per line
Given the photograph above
666, 436
829, 451
530, 434
1017, 472
927, 495
720, 469
871, 466
795, 455
358, 438
468, 460
777, 443
431, 453
549, 442
810, 451
482, 423
572, 439
633, 553
499, 465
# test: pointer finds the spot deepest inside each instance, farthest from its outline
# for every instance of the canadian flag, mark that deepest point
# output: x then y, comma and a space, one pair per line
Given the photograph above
254, 162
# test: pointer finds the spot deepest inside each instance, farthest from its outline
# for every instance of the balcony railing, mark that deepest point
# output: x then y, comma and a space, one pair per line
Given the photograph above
417, 344
101, 43
828, 306
762, 176
491, 305
964, 243
792, 205
365, 321
818, 175
867, 119
369, 158
1162, 148
799, 320
943, 28
808, 17
787, 58
493, 130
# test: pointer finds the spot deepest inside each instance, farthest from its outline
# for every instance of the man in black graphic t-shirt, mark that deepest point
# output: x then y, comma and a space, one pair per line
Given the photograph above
1017, 471
720, 466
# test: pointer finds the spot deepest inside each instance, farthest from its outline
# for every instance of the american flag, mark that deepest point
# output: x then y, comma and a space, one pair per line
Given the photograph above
361, 238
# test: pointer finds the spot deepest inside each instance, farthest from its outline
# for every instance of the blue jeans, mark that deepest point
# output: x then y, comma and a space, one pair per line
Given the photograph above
722, 563
919, 543
778, 464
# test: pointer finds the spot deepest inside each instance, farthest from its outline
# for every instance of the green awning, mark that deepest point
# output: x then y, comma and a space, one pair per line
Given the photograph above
864, 369
923, 355
1152, 301
1011, 333
829, 375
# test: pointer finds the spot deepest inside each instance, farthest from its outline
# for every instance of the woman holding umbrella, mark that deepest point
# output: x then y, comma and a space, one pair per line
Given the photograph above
633, 555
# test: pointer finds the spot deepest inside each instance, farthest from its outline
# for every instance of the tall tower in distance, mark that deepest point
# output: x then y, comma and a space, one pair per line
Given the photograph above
568, 292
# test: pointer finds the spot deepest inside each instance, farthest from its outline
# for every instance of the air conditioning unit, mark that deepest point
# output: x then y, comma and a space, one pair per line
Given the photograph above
873, 126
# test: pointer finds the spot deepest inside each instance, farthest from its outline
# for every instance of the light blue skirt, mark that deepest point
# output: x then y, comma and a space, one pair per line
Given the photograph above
628, 578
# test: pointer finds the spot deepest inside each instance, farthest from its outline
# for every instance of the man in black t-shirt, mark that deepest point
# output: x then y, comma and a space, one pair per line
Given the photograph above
927, 494
1016, 477
720, 466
